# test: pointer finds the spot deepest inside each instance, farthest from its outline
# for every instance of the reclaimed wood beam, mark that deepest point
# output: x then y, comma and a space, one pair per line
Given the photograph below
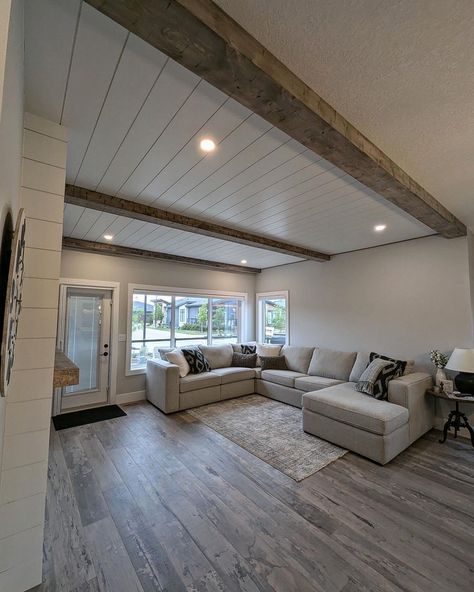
203, 38
76, 244
87, 198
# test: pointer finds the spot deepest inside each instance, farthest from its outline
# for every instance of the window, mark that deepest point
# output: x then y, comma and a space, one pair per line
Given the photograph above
162, 320
272, 317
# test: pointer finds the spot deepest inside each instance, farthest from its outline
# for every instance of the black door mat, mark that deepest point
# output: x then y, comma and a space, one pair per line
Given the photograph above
78, 418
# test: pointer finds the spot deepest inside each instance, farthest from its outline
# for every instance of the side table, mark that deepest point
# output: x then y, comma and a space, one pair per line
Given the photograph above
456, 419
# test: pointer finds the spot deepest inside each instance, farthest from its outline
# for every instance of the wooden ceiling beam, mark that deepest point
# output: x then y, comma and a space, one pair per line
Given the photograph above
121, 207
76, 244
203, 38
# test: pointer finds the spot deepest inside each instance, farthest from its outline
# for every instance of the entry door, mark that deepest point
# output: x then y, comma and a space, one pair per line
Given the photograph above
86, 341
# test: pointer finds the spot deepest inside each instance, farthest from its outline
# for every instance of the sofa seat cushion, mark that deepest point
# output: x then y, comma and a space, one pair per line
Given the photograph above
314, 383
234, 374
343, 403
283, 377
193, 382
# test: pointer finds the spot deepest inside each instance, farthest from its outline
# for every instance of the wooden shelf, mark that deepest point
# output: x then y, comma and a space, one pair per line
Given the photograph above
66, 373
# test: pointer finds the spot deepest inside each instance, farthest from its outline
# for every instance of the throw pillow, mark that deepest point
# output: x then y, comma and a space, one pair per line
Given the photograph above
401, 365
273, 363
162, 351
375, 378
248, 349
267, 350
244, 360
196, 360
177, 357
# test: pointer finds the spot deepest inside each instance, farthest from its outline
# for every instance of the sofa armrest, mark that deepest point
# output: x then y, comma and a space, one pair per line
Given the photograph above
162, 385
409, 391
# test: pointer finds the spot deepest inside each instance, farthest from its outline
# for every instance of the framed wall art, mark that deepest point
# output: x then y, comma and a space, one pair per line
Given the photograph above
12, 305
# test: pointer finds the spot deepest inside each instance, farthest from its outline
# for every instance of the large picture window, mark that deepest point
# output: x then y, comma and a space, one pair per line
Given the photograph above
272, 317
160, 320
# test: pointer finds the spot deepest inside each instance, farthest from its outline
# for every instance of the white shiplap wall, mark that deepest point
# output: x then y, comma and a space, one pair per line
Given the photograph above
28, 408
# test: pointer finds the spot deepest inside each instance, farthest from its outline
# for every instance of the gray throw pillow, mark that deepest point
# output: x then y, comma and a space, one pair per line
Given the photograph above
375, 378
244, 360
273, 363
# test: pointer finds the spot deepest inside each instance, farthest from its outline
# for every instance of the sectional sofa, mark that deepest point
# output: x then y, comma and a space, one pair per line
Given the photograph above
318, 380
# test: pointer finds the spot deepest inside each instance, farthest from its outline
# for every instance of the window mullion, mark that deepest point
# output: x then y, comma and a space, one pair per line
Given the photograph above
172, 322
144, 316
209, 321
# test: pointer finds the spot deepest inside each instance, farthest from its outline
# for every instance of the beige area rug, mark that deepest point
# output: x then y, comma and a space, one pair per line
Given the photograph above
271, 431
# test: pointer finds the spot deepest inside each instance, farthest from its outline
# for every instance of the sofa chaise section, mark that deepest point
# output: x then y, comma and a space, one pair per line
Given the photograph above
378, 430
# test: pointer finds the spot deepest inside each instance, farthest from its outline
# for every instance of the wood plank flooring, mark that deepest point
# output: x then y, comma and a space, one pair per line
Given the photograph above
150, 502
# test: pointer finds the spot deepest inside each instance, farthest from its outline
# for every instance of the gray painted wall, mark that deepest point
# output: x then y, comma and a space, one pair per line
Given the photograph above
401, 300
133, 271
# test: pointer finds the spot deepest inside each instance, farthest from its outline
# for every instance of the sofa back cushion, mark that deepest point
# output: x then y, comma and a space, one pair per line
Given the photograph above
218, 356
297, 357
330, 363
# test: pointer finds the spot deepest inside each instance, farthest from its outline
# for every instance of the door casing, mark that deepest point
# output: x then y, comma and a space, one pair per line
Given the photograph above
114, 287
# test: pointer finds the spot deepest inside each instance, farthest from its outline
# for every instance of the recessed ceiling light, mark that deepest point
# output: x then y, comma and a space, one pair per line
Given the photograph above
380, 227
108, 236
244, 261
207, 145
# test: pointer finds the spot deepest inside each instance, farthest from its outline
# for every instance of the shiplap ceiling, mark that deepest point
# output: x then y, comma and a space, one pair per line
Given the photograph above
136, 119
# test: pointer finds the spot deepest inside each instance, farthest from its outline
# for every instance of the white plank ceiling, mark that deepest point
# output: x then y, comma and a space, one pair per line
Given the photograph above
136, 119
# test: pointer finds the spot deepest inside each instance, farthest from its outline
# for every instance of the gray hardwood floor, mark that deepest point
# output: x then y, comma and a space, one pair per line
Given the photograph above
150, 502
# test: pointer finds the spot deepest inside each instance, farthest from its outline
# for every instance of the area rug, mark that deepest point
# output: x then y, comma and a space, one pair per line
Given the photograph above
272, 431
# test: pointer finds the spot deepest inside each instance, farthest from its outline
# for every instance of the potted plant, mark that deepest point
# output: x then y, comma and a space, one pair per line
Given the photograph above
440, 361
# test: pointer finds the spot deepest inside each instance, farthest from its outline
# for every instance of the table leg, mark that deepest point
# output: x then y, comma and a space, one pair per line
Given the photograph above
446, 428
467, 425
457, 421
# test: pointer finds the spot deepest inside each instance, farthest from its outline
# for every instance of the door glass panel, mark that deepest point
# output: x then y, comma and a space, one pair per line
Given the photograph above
191, 320
225, 320
83, 339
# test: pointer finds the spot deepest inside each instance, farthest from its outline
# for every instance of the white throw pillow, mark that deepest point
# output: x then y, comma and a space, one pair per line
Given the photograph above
267, 350
177, 357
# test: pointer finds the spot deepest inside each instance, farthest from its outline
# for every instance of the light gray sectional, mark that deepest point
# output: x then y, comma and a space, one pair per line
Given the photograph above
318, 380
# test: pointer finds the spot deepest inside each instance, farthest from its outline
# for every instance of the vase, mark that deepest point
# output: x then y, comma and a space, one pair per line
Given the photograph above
440, 375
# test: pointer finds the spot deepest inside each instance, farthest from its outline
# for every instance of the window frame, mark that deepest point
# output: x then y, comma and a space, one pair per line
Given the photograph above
259, 329
179, 292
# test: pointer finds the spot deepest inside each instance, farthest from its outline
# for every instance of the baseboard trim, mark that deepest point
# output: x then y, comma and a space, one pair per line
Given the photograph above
124, 398
439, 425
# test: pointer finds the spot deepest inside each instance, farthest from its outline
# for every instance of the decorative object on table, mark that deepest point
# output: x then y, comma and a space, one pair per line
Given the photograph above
462, 360
456, 418
447, 386
12, 307
440, 361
